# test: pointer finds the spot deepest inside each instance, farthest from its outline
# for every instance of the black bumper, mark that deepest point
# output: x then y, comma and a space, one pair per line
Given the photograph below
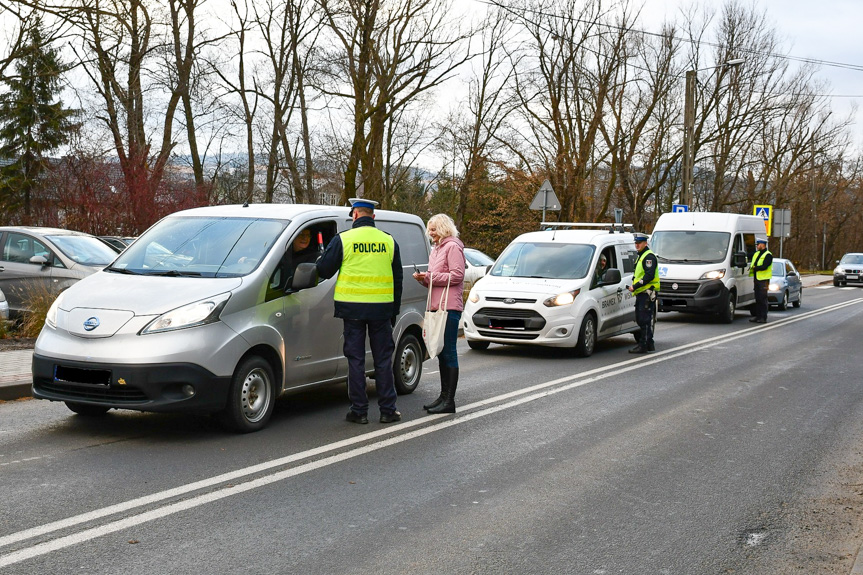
704, 296
148, 387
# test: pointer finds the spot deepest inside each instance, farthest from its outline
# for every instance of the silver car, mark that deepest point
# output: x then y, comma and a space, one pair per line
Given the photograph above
209, 312
37, 261
848, 270
785, 285
4, 307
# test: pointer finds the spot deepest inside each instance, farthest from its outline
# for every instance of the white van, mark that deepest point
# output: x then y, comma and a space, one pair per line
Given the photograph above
205, 313
704, 262
545, 289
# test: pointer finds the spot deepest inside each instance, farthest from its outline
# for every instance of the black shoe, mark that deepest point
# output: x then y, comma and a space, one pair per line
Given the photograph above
391, 417
651, 347
638, 349
355, 417
761, 320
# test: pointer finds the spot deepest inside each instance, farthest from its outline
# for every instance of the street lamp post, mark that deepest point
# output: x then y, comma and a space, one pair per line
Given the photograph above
689, 129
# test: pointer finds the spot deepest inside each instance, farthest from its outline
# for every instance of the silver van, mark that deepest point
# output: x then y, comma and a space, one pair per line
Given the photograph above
201, 314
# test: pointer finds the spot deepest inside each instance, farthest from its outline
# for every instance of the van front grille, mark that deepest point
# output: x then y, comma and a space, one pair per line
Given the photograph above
683, 288
514, 336
71, 392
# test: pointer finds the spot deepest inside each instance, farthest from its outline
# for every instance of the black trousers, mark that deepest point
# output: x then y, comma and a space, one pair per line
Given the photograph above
381, 340
761, 287
645, 311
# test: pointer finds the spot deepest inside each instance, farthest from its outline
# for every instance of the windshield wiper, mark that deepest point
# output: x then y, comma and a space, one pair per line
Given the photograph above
176, 274
122, 271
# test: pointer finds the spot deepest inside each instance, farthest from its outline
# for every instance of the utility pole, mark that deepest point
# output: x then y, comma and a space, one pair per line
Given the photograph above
688, 136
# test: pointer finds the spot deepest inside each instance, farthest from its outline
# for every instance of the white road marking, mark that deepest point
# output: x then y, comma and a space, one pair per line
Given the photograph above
528, 394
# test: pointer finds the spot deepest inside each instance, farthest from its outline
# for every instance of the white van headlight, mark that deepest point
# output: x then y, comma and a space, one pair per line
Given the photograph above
51, 316
564, 298
199, 313
713, 275
473, 296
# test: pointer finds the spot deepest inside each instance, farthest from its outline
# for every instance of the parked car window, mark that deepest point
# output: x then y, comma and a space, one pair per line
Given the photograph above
545, 260
20, 248
85, 250
477, 258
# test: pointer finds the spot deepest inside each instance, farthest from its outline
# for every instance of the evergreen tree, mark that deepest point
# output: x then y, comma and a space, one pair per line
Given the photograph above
31, 123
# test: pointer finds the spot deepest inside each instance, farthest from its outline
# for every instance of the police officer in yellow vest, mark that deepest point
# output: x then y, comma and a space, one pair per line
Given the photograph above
368, 295
645, 284
762, 268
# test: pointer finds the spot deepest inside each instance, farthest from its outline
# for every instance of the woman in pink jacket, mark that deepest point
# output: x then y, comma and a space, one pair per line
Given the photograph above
446, 266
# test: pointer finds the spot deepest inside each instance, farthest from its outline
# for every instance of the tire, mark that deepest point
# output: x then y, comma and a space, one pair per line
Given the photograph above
251, 396
836, 283
727, 314
87, 410
478, 345
586, 337
408, 364
799, 301
783, 305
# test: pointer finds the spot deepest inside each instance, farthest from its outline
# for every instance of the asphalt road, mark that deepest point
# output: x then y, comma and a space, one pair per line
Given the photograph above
701, 458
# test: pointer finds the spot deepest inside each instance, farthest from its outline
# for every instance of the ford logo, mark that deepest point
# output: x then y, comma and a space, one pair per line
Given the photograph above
674, 286
509, 300
91, 324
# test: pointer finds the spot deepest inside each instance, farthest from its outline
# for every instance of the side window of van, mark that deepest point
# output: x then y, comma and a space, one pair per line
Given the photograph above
412, 241
320, 234
749, 241
628, 257
738, 244
607, 260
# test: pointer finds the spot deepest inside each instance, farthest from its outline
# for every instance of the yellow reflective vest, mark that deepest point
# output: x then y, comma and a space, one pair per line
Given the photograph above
756, 260
366, 273
639, 273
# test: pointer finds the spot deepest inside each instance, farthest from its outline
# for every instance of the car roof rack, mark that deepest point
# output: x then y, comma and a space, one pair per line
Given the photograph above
612, 228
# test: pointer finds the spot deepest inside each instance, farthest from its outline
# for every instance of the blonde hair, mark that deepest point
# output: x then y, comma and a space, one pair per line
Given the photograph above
443, 224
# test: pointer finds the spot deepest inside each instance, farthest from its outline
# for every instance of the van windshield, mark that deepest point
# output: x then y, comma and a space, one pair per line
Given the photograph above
544, 260
690, 247
200, 247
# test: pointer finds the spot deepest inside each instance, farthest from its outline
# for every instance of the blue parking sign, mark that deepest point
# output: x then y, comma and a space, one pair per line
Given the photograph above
675, 208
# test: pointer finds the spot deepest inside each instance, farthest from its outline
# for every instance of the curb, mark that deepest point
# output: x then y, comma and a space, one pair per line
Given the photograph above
16, 390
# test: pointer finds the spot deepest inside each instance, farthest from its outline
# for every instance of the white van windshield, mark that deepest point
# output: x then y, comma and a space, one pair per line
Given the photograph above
690, 247
200, 247
544, 260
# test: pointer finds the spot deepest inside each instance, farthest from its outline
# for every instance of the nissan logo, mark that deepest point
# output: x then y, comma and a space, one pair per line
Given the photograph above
674, 286
91, 324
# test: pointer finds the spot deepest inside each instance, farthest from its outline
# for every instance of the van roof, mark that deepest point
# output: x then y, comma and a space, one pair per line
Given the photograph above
283, 211
576, 236
705, 221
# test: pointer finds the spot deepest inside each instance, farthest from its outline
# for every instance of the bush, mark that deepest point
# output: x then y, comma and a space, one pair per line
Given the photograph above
40, 298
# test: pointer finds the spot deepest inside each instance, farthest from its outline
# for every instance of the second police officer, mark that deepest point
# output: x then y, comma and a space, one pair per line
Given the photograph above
368, 295
762, 269
645, 284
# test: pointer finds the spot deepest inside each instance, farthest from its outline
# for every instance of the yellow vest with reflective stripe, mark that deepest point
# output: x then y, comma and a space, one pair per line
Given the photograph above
756, 260
639, 273
366, 274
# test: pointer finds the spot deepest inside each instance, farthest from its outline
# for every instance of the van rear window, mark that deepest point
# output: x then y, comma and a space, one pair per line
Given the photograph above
544, 260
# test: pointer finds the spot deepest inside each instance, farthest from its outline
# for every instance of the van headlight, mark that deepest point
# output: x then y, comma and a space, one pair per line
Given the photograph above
564, 298
51, 316
473, 296
198, 313
713, 275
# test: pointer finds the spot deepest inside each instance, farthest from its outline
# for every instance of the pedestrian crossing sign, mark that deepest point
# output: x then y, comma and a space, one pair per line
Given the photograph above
765, 212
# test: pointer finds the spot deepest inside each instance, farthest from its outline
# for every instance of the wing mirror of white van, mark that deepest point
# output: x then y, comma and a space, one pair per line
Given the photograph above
612, 276
305, 276
740, 260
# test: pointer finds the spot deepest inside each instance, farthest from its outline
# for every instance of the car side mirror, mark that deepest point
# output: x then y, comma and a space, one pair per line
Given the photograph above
305, 276
41, 260
612, 276
739, 260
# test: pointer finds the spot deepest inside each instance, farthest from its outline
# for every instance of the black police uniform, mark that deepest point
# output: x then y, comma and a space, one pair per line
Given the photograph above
645, 302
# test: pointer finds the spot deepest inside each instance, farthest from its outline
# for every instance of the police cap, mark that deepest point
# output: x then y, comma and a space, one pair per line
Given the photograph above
761, 241
362, 203
639, 237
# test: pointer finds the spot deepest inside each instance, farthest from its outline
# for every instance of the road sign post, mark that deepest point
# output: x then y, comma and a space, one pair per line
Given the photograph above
781, 225
545, 199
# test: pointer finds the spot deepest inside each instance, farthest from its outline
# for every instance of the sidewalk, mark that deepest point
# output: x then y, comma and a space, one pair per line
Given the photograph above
15, 374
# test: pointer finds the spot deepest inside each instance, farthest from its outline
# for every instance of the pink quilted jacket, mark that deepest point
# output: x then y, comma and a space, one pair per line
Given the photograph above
446, 264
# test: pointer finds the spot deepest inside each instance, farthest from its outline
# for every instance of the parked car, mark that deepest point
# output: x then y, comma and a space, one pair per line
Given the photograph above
119, 243
4, 307
785, 285
477, 265
848, 270
206, 313
49, 259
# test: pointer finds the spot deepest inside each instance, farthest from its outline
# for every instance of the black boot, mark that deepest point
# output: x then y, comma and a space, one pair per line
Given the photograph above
443, 386
448, 404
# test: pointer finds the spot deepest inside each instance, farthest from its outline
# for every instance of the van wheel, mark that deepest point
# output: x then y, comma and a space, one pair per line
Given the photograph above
86, 409
251, 396
479, 345
727, 314
586, 337
408, 364
783, 305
